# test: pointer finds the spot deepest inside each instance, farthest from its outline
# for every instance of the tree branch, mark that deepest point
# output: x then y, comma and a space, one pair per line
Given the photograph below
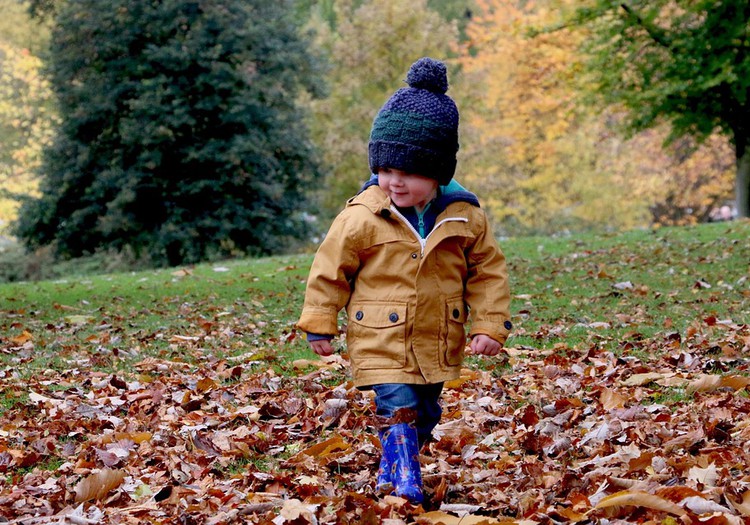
654, 32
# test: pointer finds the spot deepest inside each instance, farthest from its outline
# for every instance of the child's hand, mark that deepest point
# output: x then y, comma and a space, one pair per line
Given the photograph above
322, 347
482, 344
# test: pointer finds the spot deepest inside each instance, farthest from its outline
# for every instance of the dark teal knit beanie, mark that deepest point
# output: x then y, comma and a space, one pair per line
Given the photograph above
416, 130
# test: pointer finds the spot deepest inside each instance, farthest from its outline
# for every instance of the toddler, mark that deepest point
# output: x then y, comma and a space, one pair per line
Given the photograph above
412, 258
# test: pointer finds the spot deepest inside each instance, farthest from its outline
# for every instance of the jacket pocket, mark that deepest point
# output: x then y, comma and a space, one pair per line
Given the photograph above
376, 335
455, 317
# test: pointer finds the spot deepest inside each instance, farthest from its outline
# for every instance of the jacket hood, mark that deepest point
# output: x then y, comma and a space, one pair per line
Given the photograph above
450, 193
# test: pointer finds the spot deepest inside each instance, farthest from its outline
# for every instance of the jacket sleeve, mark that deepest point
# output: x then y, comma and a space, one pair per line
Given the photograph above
329, 282
487, 288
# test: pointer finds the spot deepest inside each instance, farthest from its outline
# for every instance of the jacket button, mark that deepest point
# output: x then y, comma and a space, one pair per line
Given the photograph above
413, 255
393, 317
508, 325
456, 313
359, 315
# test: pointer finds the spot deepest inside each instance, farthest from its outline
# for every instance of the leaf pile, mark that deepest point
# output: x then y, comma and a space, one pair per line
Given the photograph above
562, 434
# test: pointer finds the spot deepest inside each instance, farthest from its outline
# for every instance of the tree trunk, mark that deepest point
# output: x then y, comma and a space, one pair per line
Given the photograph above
742, 189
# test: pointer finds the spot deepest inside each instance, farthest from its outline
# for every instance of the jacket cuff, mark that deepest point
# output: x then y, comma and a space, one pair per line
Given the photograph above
318, 337
322, 321
499, 331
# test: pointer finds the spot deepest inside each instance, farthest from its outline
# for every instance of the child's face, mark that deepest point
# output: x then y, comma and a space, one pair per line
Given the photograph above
407, 189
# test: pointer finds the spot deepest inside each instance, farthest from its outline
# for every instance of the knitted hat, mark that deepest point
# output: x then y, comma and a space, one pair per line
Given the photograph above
416, 130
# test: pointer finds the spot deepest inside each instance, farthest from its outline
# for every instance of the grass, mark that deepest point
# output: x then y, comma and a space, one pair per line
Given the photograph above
628, 287
610, 291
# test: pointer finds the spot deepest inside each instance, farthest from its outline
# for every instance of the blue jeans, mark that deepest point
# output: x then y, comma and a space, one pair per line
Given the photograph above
425, 399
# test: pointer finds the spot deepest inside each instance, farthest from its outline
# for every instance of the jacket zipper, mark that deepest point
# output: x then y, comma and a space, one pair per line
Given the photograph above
423, 241
420, 219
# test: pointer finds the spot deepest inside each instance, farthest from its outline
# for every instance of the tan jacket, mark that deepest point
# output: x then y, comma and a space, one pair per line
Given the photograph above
407, 300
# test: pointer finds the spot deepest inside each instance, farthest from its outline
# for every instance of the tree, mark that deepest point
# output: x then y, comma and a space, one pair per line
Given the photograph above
370, 48
19, 29
26, 108
679, 61
181, 138
529, 149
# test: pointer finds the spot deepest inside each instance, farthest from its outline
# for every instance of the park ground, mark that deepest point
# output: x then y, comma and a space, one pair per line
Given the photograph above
186, 396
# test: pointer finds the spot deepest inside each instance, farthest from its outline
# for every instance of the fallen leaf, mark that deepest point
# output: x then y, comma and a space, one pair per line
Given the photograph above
707, 476
442, 518
640, 499
21, 339
98, 485
294, 510
611, 399
743, 507
642, 379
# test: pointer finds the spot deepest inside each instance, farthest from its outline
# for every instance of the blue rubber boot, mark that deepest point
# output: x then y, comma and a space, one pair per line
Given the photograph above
383, 484
400, 462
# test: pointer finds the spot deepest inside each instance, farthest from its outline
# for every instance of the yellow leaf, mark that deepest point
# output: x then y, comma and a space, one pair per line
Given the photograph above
466, 375
135, 437
640, 499
99, 484
78, 319
22, 339
206, 384
329, 446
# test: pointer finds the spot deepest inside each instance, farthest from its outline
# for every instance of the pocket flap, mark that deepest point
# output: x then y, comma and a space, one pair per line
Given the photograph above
456, 310
378, 315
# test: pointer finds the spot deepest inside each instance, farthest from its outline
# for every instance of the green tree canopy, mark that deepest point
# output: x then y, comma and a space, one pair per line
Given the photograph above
180, 138
682, 61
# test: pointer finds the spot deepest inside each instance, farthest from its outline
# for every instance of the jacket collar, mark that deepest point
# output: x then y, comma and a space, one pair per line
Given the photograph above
449, 194
375, 200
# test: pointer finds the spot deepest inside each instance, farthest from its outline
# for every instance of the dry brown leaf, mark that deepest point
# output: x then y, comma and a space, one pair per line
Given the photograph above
708, 476
611, 399
640, 499
99, 484
700, 505
704, 383
438, 517
743, 507
642, 379
205, 384
735, 382
294, 510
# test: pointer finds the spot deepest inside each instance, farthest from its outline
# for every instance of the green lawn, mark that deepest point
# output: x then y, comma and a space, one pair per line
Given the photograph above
612, 291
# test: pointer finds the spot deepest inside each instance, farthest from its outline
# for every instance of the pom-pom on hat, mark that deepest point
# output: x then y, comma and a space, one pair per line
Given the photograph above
416, 130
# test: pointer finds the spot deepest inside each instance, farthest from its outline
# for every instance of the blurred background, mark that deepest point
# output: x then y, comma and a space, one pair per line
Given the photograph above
145, 133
